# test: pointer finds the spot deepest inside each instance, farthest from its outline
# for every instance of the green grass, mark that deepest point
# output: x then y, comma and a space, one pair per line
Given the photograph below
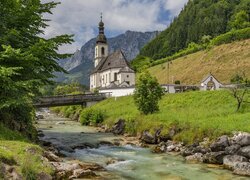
72, 112
198, 114
14, 150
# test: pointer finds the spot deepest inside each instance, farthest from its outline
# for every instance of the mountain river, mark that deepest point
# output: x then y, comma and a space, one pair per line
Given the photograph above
128, 162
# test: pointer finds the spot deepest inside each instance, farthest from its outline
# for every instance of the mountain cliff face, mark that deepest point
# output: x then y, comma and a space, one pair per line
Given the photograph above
81, 63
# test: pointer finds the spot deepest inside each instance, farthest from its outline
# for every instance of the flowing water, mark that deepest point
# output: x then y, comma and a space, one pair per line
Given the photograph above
127, 162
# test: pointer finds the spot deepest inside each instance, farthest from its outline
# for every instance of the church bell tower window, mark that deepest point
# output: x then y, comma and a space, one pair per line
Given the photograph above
103, 51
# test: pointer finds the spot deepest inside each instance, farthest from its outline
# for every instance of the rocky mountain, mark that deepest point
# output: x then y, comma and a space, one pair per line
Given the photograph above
81, 63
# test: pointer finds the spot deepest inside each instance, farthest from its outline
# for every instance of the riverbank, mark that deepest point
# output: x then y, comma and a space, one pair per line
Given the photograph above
122, 156
21, 158
196, 119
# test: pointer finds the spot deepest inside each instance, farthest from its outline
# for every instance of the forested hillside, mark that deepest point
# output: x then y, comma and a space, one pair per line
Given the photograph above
199, 18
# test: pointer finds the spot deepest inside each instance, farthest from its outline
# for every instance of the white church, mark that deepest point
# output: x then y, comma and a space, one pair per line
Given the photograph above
111, 71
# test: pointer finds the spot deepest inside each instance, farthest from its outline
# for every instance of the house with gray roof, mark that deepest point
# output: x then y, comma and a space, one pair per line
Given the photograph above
111, 70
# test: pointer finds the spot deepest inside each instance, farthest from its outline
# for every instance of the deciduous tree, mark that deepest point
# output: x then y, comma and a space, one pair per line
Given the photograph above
147, 93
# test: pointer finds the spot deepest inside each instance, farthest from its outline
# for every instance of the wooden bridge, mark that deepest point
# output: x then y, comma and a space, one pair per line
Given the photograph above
66, 100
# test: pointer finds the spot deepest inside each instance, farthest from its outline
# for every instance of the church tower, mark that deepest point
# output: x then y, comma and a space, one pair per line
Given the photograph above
101, 48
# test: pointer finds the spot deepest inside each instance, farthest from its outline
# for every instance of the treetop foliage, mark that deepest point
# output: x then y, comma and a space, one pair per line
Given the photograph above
147, 93
27, 61
199, 18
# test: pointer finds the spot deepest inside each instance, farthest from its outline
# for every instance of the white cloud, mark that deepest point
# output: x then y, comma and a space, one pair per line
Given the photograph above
80, 17
174, 6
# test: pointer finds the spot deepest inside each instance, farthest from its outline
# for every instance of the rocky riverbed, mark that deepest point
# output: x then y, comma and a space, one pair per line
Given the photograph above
86, 152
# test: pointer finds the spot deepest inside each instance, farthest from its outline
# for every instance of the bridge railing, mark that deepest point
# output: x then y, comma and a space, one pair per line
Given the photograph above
70, 99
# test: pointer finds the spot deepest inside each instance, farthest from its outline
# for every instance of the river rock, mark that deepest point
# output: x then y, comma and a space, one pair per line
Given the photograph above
245, 151
65, 148
242, 138
9, 172
40, 134
119, 127
84, 145
60, 123
242, 168
214, 157
197, 157
45, 143
230, 161
44, 176
39, 116
51, 156
66, 166
220, 144
233, 149
106, 143
80, 173
147, 137
190, 150
160, 148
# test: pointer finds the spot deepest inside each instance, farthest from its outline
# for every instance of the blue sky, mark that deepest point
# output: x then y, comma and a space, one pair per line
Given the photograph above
81, 17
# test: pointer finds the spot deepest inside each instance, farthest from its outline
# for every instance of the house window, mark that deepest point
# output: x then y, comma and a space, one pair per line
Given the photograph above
127, 76
103, 51
115, 76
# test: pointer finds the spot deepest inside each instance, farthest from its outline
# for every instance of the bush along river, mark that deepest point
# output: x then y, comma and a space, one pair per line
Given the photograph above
81, 152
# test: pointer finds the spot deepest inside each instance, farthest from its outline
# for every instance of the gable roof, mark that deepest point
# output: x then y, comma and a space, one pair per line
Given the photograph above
210, 75
126, 69
114, 60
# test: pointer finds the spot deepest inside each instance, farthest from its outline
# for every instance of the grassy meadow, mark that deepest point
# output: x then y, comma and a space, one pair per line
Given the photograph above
198, 114
17, 151
223, 61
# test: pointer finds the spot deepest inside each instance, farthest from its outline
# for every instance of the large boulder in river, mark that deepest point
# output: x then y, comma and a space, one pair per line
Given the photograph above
119, 127
242, 168
245, 151
230, 161
147, 137
220, 144
197, 157
214, 157
242, 138
233, 149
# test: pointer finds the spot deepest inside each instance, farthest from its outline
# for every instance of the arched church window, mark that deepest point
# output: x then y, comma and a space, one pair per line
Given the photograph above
103, 51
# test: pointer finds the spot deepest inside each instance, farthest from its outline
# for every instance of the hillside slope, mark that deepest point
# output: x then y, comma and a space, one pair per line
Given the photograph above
222, 61
187, 111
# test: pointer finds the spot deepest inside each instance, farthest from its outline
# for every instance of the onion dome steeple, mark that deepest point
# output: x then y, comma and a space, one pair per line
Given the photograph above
101, 38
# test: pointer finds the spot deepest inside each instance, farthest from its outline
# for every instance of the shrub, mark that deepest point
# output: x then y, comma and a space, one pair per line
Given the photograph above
177, 82
85, 116
147, 93
231, 36
90, 115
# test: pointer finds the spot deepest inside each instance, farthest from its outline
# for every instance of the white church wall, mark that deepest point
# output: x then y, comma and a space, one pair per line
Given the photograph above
118, 92
108, 76
170, 88
217, 84
127, 77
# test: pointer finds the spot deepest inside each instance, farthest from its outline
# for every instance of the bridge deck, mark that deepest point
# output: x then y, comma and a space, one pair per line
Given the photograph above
64, 100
